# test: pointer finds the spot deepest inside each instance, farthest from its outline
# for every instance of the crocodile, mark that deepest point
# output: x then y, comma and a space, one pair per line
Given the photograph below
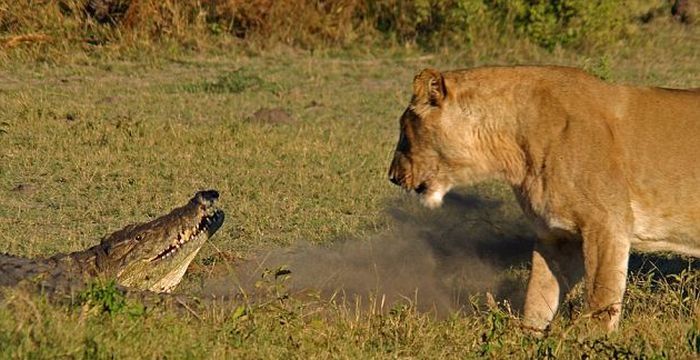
151, 256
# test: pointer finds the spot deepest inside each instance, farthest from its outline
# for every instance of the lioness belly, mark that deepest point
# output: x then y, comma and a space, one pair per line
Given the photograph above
665, 246
661, 231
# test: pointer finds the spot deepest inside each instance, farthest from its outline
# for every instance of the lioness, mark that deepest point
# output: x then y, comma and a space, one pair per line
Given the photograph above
597, 167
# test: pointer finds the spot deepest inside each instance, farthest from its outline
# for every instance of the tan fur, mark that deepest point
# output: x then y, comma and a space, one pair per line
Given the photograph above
597, 167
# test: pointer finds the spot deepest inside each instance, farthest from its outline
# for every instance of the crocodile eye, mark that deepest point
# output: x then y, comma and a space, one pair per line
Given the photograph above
139, 237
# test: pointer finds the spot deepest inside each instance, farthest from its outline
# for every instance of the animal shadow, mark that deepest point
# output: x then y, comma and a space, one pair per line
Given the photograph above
484, 243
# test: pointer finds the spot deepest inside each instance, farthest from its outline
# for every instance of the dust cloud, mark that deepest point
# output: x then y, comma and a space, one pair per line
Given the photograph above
435, 259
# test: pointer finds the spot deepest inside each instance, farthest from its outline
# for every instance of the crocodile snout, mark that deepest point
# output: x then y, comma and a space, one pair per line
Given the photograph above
207, 197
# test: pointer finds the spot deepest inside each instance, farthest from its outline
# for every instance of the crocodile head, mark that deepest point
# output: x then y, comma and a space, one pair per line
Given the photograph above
155, 255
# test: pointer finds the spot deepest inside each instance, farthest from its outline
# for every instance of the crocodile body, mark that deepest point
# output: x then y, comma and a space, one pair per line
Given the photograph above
149, 256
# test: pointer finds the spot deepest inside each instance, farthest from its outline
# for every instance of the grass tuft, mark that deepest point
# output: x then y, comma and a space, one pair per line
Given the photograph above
227, 83
108, 299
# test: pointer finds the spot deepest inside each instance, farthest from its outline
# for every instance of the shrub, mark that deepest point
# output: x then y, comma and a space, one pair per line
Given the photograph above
316, 23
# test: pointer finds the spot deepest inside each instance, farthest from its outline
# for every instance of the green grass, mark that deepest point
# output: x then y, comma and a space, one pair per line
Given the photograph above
90, 144
229, 82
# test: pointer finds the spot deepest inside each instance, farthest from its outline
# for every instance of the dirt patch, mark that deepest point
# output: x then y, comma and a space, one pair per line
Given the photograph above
24, 189
272, 116
439, 261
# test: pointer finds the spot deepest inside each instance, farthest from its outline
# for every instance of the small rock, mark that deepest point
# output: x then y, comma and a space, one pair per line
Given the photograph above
313, 103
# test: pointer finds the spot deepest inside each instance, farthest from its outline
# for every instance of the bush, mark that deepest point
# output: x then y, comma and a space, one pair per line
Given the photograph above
551, 23
316, 23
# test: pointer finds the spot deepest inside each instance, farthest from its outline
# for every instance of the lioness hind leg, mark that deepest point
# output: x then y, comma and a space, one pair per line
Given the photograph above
556, 267
606, 254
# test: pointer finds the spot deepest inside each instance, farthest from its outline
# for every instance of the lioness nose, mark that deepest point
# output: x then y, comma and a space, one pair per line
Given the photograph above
396, 169
393, 178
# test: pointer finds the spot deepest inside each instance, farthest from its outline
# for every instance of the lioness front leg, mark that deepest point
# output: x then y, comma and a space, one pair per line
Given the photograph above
606, 255
557, 265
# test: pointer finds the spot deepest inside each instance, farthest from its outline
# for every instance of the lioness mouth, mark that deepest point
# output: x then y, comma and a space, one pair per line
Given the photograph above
209, 223
422, 188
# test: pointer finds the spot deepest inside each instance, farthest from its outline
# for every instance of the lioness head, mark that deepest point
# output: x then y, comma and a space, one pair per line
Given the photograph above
450, 136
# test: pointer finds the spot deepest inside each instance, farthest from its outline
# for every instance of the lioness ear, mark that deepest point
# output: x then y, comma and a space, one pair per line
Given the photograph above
429, 86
